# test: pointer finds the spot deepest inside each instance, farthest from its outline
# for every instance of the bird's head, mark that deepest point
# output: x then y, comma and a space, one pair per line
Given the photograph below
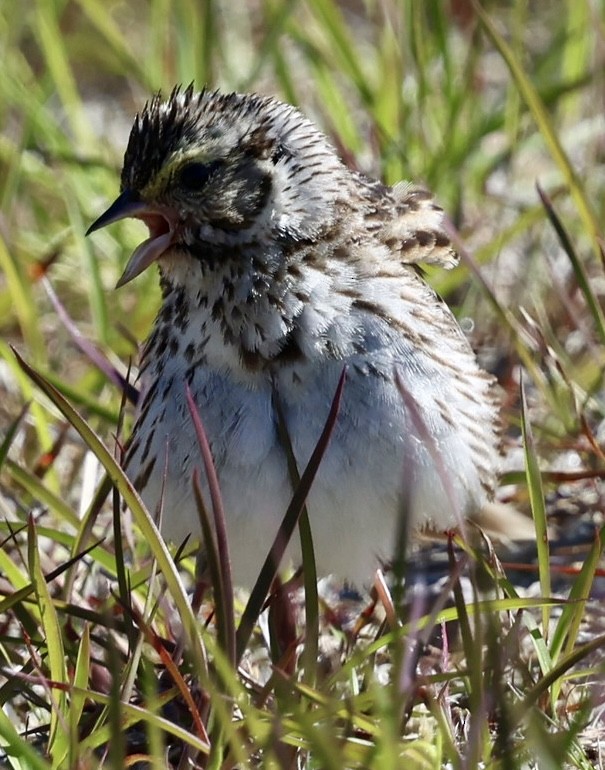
209, 170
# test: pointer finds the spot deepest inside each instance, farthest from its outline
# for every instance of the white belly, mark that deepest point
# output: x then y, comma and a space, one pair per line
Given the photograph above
378, 465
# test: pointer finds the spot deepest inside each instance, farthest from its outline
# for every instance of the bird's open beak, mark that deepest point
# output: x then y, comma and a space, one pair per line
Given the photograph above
129, 204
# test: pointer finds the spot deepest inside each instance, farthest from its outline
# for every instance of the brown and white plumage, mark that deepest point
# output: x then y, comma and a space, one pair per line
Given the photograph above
279, 266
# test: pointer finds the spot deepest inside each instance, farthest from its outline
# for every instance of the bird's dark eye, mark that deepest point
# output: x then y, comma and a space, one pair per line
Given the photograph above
194, 176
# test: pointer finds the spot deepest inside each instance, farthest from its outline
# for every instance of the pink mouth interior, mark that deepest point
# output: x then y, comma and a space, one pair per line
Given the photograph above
152, 249
157, 224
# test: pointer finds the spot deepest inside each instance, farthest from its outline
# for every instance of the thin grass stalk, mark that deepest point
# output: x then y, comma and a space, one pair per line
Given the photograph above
545, 126
567, 629
121, 571
212, 565
11, 432
134, 714
24, 306
50, 628
275, 19
106, 28
173, 670
311, 639
578, 268
289, 522
108, 415
116, 748
60, 70
37, 490
20, 595
504, 314
84, 531
220, 528
91, 352
538, 508
576, 54
155, 739
565, 664
20, 747
332, 23
77, 702
447, 615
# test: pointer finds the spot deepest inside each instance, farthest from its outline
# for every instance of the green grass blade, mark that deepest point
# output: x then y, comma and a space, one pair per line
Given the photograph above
58, 739
538, 508
117, 42
333, 25
545, 125
50, 41
21, 292
16, 746
80, 682
11, 433
39, 491
573, 613
144, 521
577, 266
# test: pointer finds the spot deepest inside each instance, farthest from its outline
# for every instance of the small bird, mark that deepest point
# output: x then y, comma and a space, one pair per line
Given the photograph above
280, 267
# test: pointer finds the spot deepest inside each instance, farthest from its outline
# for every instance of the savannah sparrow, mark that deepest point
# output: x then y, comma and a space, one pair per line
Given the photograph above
280, 266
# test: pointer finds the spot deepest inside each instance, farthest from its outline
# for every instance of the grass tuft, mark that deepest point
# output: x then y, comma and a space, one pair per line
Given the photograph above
491, 657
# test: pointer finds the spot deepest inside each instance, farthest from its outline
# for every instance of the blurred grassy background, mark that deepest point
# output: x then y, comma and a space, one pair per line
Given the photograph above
478, 101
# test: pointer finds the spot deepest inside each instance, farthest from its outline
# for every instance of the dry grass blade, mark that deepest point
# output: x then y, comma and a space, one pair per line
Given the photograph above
173, 671
90, 350
213, 566
290, 520
220, 529
311, 643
